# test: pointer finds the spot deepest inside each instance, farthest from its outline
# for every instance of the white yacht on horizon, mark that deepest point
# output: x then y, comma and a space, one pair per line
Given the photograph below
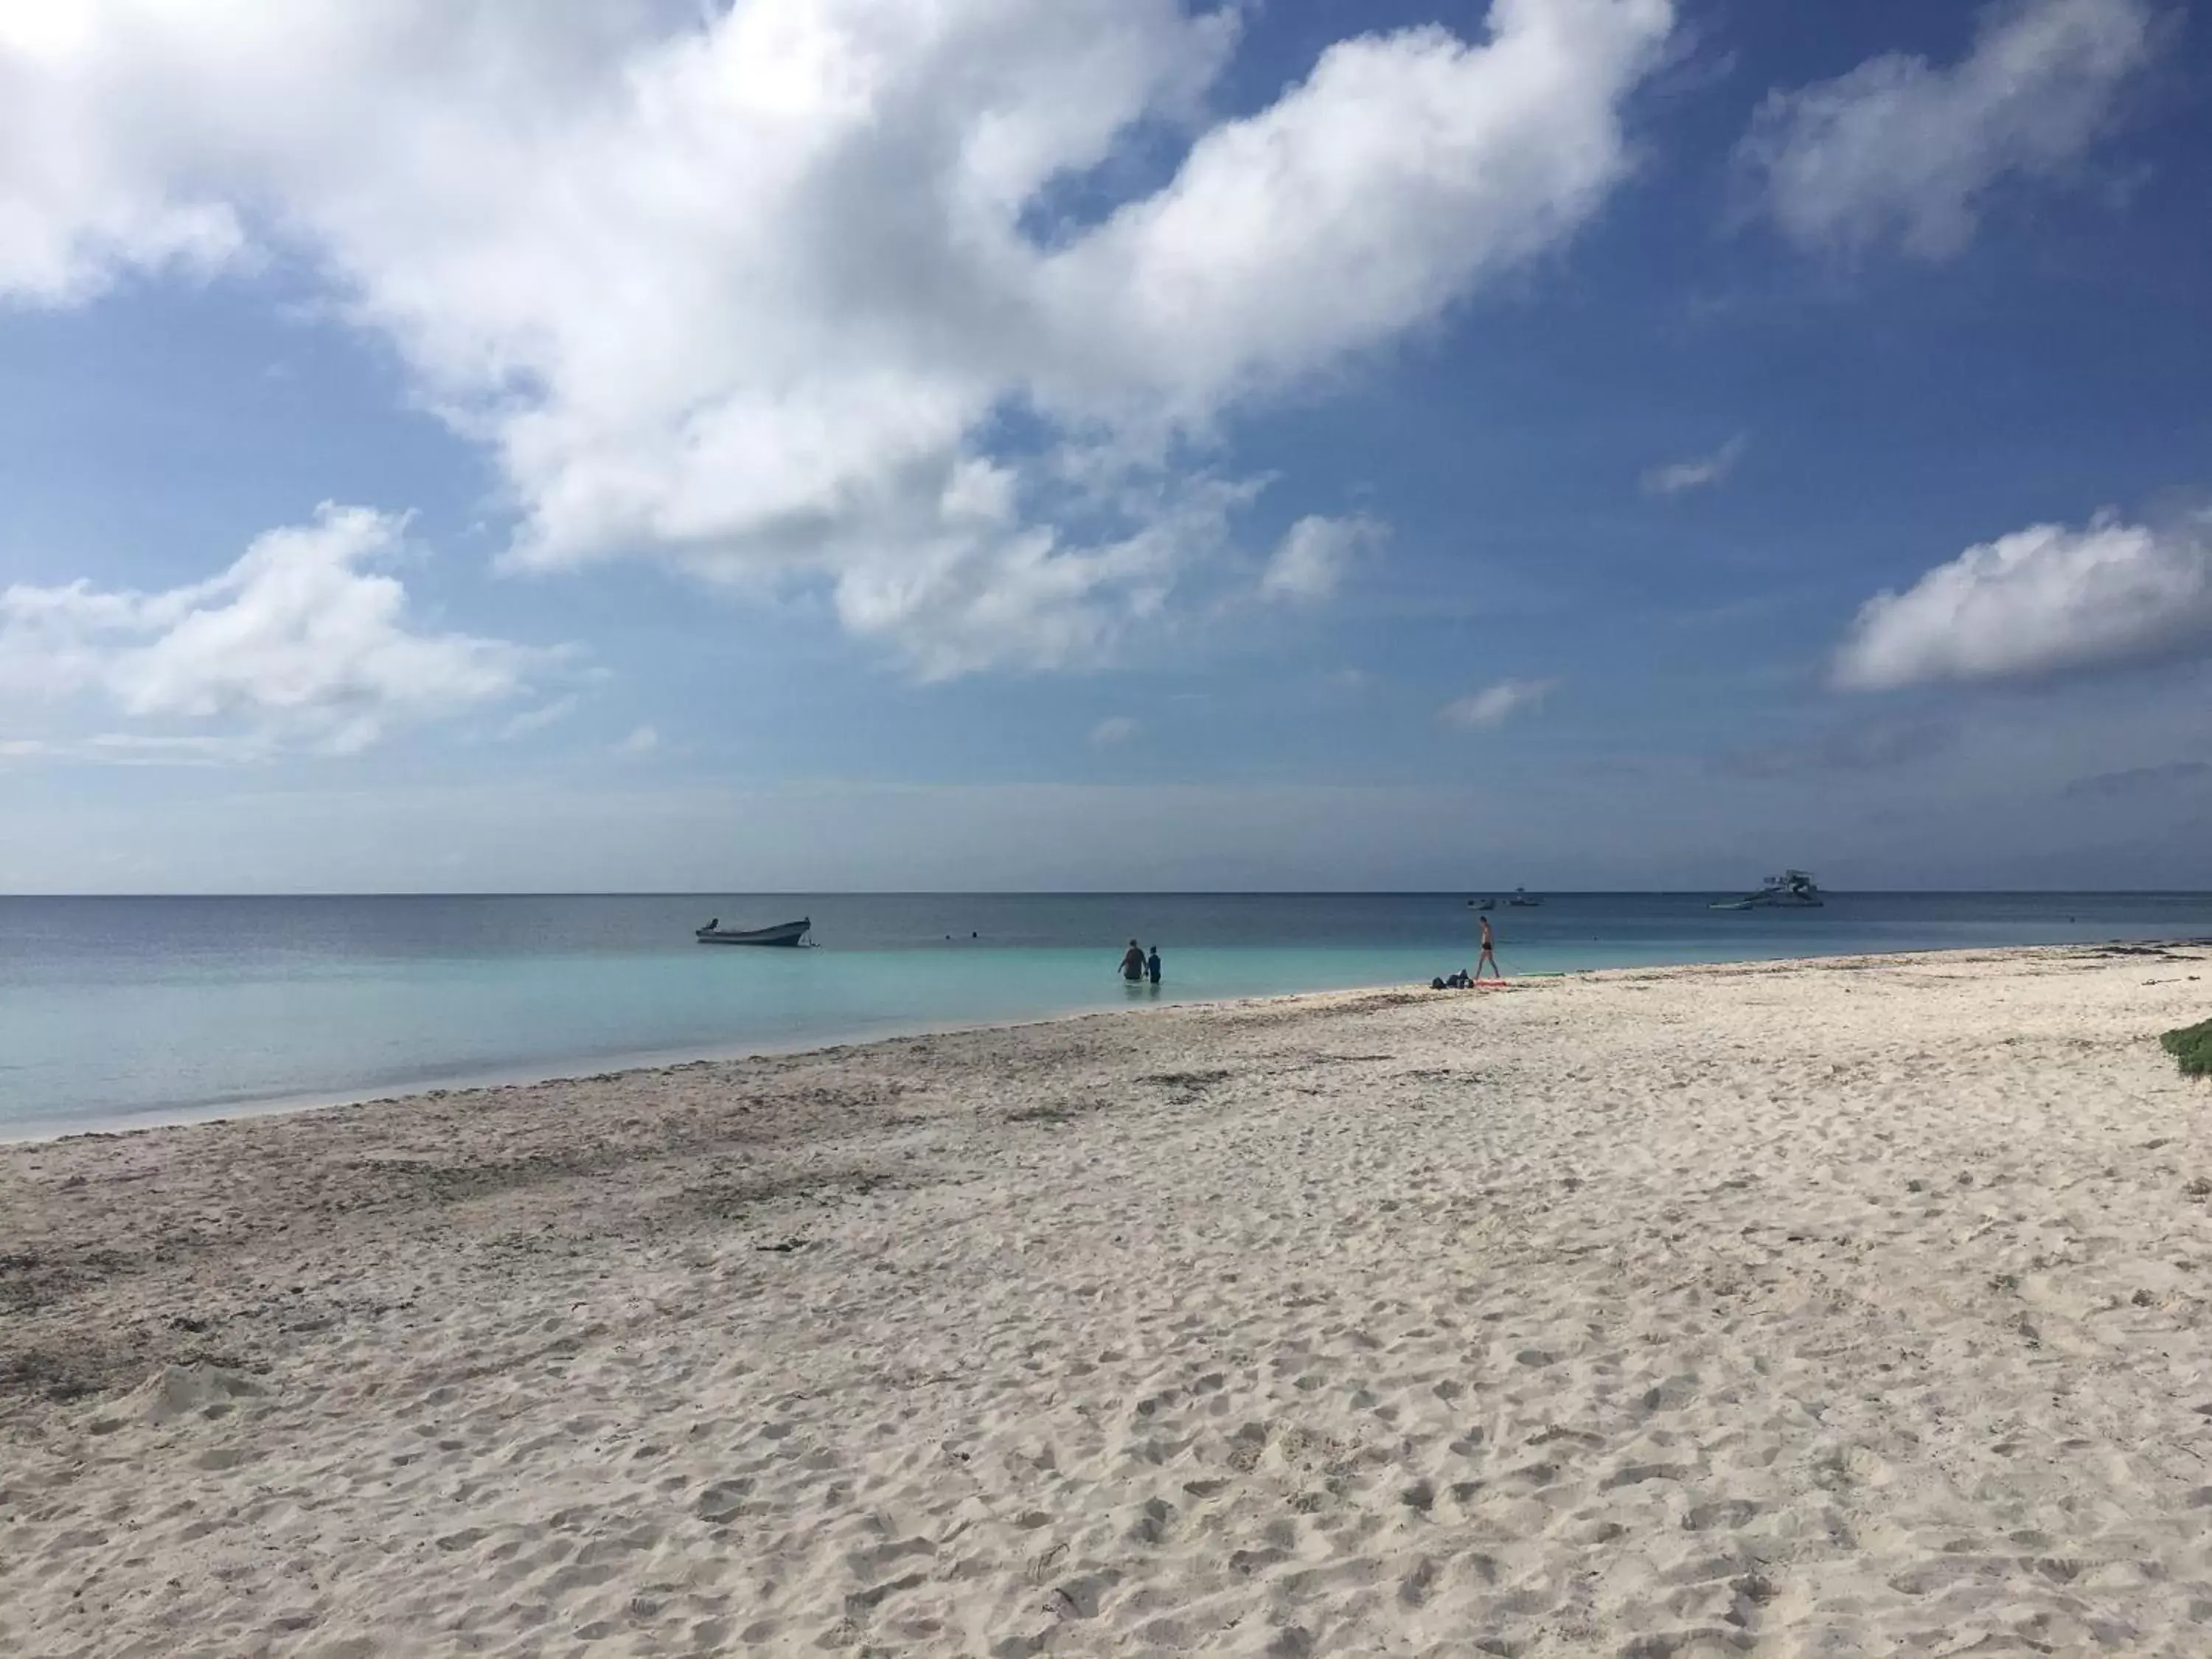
1791, 890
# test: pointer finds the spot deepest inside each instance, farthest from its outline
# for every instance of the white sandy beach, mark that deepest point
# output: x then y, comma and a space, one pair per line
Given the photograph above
1844, 1308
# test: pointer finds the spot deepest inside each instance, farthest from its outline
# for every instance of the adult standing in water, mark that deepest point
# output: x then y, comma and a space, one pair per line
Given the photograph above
1488, 952
1133, 962
1153, 965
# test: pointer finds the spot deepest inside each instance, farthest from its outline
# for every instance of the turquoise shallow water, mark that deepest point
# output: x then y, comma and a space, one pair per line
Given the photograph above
121, 1011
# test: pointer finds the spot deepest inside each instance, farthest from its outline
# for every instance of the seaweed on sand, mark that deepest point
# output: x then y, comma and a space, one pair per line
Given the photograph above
2192, 1047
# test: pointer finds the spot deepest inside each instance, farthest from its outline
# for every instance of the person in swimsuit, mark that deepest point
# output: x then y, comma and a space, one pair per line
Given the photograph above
1153, 965
1133, 962
1488, 945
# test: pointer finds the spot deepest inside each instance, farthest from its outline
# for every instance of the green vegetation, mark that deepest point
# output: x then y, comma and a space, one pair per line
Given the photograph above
2192, 1046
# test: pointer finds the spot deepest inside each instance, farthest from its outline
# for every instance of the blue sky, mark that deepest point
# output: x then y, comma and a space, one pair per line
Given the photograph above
820, 443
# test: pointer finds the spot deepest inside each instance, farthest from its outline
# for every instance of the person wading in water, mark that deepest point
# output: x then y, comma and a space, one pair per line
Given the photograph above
1133, 962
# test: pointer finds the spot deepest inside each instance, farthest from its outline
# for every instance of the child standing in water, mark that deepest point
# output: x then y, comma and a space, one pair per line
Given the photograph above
1153, 965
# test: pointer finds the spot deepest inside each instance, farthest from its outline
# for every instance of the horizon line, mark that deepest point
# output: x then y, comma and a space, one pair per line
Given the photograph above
1099, 893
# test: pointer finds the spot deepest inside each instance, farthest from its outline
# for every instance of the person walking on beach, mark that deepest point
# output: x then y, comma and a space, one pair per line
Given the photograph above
1153, 965
1488, 954
1133, 962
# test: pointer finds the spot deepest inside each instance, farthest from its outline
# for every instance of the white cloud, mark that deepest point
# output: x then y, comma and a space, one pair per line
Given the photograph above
300, 640
1112, 731
987, 591
140, 748
643, 740
1901, 148
2042, 602
1680, 475
749, 288
136, 749
1315, 555
536, 720
205, 748
1491, 708
1365, 201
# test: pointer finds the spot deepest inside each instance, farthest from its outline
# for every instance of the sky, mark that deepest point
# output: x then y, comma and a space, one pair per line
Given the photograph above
667, 444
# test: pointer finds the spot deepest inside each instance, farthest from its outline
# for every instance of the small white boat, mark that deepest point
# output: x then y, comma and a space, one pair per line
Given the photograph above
785, 932
1793, 889
1522, 900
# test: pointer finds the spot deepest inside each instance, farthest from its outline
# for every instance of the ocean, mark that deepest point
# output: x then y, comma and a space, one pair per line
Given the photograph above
118, 1013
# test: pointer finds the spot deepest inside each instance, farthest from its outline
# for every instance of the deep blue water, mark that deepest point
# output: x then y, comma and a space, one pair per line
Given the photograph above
121, 1010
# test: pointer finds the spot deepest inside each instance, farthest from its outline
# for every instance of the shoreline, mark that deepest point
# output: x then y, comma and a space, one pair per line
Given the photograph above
1833, 1306
571, 1069
611, 1066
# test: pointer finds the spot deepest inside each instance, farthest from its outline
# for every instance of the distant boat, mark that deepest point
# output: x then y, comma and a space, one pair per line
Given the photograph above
1793, 889
787, 933
1522, 900
1485, 904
